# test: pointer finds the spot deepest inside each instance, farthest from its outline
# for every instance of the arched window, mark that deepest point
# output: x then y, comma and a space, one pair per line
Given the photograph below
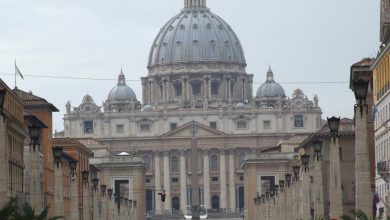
214, 163
175, 203
215, 202
175, 164
147, 161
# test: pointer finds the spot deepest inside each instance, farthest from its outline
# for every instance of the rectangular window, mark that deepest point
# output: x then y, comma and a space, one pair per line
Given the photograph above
267, 125
241, 178
119, 129
214, 88
147, 179
242, 125
178, 89
175, 180
196, 89
144, 127
213, 124
173, 126
88, 127
298, 121
214, 179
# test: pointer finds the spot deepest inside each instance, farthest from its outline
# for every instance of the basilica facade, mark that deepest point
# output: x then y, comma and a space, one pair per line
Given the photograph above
196, 75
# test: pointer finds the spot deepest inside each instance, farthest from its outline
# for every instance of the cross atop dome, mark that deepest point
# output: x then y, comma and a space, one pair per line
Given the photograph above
194, 3
270, 75
121, 79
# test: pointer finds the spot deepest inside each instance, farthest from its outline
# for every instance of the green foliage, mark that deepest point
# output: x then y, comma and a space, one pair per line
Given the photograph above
12, 212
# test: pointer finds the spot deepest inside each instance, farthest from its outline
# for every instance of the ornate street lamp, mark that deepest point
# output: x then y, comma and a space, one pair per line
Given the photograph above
57, 152
276, 189
333, 124
126, 200
287, 176
103, 190
35, 133
109, 191
130, 203
116, 198
73, 166
2, 98
135, 204
263, 198
85, 175
271, 193
121, 199
305, 161
296, 172
360, 88
317, 146
95, 182
281, 185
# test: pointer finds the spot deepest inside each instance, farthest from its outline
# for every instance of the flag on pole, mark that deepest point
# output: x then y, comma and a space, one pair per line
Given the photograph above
17, 71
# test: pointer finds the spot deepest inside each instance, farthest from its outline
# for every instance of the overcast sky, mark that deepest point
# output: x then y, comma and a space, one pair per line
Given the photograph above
303, 40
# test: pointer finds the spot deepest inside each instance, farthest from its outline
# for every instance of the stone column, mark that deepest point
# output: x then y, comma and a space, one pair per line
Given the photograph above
232, 183
183, 181
151, 95
58, 191
336, 205
206, 179
305, 187
222, 180
167, 182
364, 195
318, 189
157, 176
183, 89
86, 202
188, 89
164, 89
34, 172
74, 199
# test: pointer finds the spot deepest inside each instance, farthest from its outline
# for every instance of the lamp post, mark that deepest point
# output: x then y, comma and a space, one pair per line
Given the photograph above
57, 153
317, 178
335, 177
73, 166
305, 161
364, 194
35, 133
296, 169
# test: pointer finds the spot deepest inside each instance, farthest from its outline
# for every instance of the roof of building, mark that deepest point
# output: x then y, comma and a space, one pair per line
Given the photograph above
30, 99
196, 35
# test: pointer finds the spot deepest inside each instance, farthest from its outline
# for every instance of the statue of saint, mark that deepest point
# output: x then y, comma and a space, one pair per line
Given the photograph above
68, 107
315, 101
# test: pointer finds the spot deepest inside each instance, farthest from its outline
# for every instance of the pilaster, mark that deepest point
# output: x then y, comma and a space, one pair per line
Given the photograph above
222, 180
206, 179
364, 195
157, 176
183, 181
232, 183
167, 183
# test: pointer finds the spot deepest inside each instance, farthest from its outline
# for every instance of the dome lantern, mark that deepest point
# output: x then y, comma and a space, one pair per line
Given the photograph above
194, 3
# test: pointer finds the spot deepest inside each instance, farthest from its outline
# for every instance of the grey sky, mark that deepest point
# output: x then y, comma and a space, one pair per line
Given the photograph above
303, 40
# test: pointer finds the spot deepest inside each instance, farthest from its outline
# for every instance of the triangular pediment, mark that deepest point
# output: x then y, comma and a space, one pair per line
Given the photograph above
201, 131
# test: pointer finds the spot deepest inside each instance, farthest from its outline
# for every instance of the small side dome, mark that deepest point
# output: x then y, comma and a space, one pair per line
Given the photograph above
148, 108
240, 105
270, 88
121, 92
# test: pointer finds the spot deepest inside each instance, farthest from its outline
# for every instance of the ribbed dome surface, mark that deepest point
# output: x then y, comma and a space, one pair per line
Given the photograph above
194, 36
270, 88
121, 92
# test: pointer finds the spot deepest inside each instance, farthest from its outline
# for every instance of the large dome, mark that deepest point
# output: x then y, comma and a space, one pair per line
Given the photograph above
121, 92
270, 88
195, 36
